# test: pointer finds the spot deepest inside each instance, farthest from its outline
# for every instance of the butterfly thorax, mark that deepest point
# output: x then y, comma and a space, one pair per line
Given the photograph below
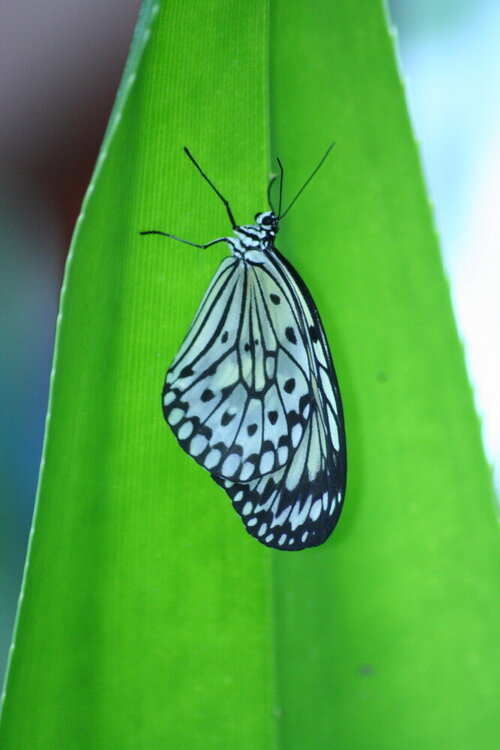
252, 242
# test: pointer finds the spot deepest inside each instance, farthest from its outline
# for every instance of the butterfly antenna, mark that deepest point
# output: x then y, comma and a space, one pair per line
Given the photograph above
225, 202
271, 183
282, 174
306, 183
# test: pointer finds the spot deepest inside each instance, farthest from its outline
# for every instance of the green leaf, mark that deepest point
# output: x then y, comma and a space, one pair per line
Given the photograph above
149, 618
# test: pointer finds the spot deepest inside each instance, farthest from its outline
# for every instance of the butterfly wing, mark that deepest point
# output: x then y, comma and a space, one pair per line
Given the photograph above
326, 392
298, 506
237, 395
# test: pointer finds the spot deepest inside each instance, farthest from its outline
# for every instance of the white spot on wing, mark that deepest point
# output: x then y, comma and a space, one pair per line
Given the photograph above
297, 517
280, 520
231, 465
246, 471
169, 397
175, 416
296, 434
315, 510
266, 462
185, 430
334, 434
197, 445
325, 500
282, 455
212, 459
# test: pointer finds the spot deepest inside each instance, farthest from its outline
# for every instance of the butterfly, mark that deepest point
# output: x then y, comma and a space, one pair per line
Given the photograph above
252, 394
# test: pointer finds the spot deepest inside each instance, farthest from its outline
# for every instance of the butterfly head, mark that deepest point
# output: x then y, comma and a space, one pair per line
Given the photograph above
254, 240
268, 222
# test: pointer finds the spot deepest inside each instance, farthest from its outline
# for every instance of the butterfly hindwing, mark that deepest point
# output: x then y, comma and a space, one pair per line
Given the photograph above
297, 506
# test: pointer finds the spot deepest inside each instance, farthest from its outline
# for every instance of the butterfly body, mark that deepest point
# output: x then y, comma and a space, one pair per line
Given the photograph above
252, 394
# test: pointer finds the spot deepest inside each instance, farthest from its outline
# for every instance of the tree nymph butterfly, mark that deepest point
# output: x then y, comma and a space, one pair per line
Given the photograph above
252, 394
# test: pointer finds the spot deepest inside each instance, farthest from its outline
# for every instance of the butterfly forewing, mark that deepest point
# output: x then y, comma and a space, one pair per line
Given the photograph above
237, 395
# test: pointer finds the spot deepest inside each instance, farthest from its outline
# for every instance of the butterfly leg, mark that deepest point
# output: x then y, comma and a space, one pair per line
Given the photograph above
186, 242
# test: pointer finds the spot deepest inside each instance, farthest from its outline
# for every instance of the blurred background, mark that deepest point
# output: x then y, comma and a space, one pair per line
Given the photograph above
60, 65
